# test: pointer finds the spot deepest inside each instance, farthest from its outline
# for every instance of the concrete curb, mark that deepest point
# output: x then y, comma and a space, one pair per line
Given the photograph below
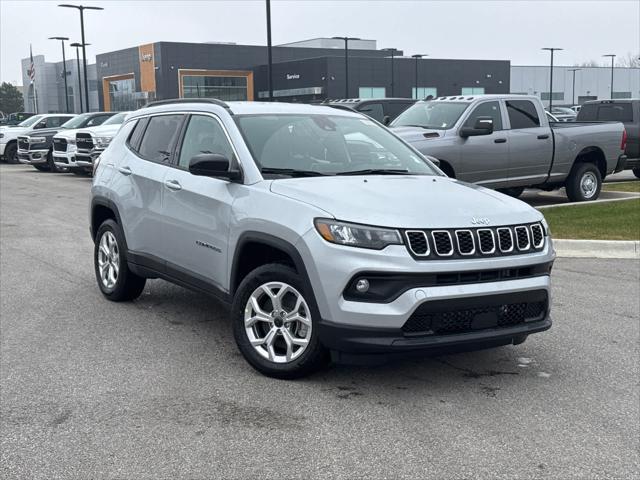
597, 248
622, 196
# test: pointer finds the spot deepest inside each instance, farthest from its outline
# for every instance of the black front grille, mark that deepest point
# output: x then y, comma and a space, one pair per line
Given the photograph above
418, 242
475, 242
522, 238
445, 318
465, 242
505, 239
84, 141
23, 144
59, 144
442, 242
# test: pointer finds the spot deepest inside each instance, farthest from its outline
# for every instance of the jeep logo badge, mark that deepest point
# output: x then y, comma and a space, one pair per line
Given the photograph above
479, 221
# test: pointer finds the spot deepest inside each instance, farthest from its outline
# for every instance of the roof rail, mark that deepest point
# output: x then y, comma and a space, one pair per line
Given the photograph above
213, 101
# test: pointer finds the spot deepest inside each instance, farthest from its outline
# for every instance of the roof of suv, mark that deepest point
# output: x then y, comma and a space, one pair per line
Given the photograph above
241, 108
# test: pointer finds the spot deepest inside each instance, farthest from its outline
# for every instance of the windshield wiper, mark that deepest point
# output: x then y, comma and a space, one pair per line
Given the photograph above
375, 171
292, 172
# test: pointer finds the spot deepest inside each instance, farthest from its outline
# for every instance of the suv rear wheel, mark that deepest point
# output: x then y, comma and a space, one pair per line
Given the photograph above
115, 280
584, 182
276, 325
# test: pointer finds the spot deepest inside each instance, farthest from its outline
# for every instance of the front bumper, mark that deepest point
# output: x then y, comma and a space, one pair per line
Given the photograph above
65, 159
365, 326
33, 157
86, 158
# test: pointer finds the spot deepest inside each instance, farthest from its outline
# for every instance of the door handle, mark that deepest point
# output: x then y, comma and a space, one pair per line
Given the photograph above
173, 185
125, 170
500, 140
543, 137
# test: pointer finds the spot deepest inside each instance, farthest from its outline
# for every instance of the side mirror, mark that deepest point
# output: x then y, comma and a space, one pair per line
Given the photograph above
41, 124
386, 120
483, 126
212, 165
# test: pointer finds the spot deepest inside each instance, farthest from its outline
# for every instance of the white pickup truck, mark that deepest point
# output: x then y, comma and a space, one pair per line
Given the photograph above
506, 142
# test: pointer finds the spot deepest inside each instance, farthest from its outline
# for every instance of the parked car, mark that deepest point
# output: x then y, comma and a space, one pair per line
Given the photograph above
576, 108
38, 149
90, 143
322, 230
563, 114
506, 142
384, 110
15, 118
9, 134
626, 111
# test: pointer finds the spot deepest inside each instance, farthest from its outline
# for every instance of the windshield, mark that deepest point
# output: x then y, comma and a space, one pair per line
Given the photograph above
76, 122
30, 121
117, 119
326, 145
435, 115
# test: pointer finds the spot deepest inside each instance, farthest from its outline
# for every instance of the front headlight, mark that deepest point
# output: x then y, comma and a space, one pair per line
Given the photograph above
102, 142
354, 235
545, 225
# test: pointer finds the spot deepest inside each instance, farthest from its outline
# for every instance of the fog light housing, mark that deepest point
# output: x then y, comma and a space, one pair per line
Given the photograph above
362, 285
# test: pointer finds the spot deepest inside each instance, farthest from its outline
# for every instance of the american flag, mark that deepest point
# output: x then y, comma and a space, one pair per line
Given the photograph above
32, 67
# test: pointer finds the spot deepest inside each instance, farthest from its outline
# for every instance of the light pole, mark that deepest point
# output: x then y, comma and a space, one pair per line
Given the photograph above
551, 49
613, 56
77, 47
392, 51
64, 70
270, 63
81, 9
346, 62
418, 56
573, 88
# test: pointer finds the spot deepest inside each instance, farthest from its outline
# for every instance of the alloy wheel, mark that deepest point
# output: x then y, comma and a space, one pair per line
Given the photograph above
108, 259
588, 184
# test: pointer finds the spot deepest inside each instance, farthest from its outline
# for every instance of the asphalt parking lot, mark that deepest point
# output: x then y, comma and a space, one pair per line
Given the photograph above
157, 389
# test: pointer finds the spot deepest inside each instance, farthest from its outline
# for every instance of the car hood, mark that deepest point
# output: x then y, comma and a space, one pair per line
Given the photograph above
417, 134
67, 133
13, 132
102, 130
406, 201
43, 132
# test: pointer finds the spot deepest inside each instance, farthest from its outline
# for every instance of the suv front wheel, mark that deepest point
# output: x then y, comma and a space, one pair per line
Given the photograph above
275, 323
115, 280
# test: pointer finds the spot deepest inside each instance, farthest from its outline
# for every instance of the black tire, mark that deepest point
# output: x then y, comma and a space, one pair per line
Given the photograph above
313, 358
581, 172
51, 164
514, 192
128, 285
41, 168
78, 171
636, 172
11, 153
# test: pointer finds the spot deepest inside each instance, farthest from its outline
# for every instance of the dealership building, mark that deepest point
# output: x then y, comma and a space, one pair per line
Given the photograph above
305, 71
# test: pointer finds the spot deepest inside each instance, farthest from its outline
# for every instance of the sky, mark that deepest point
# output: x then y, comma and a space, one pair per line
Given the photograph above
503, 30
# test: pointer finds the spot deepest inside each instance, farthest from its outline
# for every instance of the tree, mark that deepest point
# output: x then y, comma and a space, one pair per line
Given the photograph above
629, 60
10, 99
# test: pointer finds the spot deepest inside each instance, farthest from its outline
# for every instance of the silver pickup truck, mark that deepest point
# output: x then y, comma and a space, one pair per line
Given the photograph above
506, 142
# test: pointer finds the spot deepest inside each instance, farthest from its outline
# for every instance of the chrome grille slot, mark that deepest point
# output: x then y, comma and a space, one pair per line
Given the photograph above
522, 238
486, 241
442, 243
537, 235
505, 240
418, 242
466, 245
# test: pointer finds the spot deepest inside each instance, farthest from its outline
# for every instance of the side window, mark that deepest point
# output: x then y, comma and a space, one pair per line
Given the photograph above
486, 109
393, 109
522, 114
97, 120
373, 110
160, 138
136, 134
203, 135
54, 122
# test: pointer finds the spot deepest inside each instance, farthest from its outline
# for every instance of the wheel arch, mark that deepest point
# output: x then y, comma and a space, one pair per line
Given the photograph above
595, 155
447, 168
103, 209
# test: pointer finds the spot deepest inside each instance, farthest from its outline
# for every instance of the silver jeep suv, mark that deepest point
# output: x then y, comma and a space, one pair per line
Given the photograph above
328, 235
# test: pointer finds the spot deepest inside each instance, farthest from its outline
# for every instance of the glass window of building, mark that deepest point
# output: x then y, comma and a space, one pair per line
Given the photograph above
223, 88
372, 92
472, 91
424, 92
556, 96
121, 94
